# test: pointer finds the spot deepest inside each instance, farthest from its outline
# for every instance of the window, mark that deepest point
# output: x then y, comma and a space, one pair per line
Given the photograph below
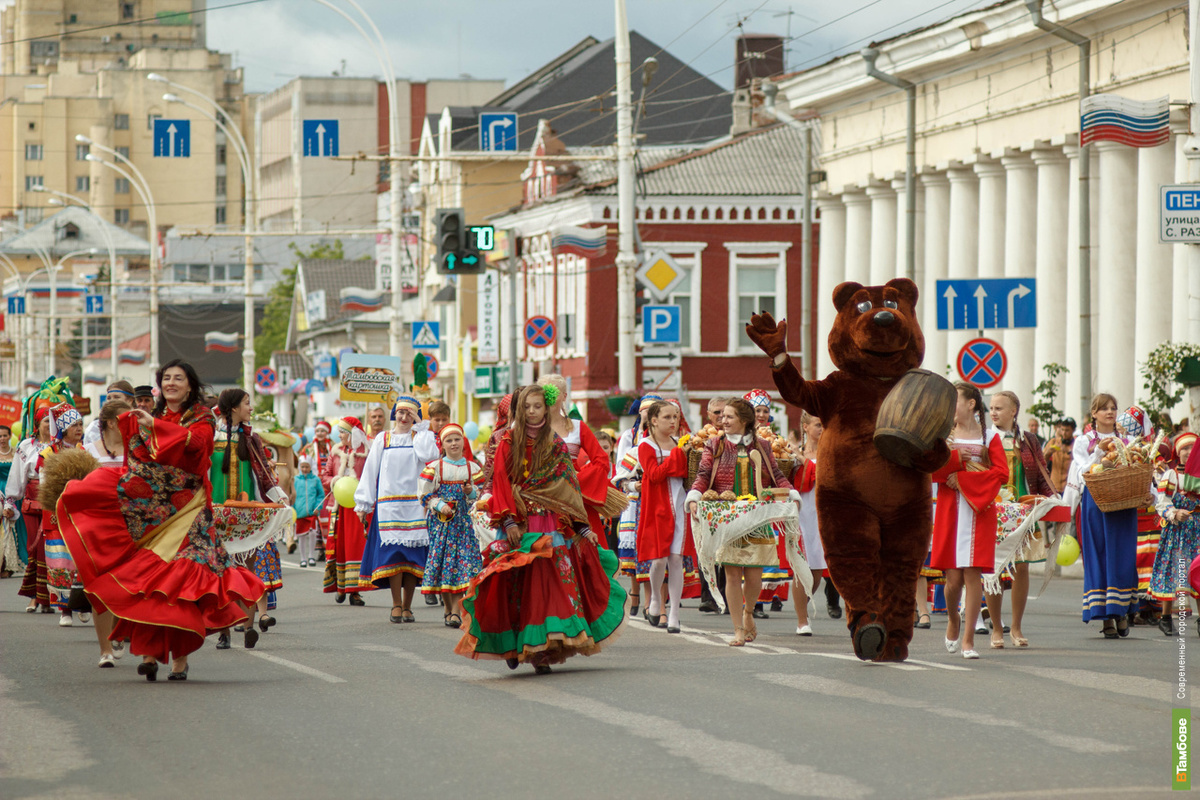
758, 282
32, 181
43, 48
121, 122
153, 115
220, 186
121, 185
220, 215
83, 183
127, 10
81, 151
33, 152
121, 216
221, 149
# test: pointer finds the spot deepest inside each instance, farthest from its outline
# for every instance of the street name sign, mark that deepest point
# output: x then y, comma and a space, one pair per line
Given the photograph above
172, 138
498, 131
986, 303
1179, 214
320, 138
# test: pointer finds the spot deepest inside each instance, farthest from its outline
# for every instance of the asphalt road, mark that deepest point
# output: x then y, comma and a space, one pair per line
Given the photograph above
337, 702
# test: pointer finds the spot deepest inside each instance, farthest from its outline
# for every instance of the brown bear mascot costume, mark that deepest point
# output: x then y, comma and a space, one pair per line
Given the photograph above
874, 516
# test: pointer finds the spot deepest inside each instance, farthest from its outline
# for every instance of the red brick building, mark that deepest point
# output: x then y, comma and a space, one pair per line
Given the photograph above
728, 216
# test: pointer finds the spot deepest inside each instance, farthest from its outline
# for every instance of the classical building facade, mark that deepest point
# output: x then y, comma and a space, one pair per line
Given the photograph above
997, 147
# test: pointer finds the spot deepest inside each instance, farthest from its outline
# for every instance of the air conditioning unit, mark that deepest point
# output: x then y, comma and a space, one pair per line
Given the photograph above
105, 39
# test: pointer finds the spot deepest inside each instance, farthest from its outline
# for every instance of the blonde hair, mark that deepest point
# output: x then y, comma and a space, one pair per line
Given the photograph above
556, 380
1099, 402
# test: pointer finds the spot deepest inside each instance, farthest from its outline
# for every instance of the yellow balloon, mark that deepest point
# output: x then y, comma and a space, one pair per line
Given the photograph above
1068, 551
17, 429
344, 489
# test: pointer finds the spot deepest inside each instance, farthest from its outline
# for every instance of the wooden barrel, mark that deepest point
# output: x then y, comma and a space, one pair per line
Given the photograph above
917, 412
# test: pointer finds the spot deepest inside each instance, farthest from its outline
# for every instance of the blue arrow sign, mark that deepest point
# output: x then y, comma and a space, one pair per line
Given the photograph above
662, 324
986, 303
320, 137
95, 304
498, 131
16, 306
172, 138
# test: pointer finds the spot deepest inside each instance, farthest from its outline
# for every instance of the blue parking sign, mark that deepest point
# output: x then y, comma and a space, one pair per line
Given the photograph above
662, 324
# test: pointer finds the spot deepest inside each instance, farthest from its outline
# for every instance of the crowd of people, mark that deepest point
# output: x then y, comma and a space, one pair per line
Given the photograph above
162, 522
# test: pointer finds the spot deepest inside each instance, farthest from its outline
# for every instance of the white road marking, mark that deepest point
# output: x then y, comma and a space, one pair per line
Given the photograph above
35, 745
938, 665
283, 662
735, 761
835, 688
1132, 685
848, 657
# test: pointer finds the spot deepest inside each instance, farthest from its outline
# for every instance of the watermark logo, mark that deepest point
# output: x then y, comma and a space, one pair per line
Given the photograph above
1180, 741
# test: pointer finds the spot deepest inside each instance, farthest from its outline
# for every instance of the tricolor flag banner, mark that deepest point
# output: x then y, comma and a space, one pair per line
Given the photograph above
218, 342
125, 356
357, 299
1112, 118
97, 380
586, 242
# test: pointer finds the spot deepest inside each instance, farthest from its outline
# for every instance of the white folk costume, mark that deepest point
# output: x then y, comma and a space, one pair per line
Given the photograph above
398, 540
964, 525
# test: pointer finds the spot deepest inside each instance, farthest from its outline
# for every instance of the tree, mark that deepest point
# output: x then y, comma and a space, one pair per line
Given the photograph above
277, 314
1044, 410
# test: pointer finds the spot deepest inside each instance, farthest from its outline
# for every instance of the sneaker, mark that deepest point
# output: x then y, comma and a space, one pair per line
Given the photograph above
65, 621
85, 617
118, 649
804, 630
107, 661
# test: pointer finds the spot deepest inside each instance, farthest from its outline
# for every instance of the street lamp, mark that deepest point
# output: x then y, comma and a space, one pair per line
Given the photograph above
248, 213
147, 196
53, 365
61, 199
379, 48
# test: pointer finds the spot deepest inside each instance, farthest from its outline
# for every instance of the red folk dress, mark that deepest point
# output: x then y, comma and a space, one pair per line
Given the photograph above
594, 470
964, 523
663, 526
144, 541
348, 537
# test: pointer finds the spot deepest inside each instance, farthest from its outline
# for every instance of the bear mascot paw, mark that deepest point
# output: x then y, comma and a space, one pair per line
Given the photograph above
875, 516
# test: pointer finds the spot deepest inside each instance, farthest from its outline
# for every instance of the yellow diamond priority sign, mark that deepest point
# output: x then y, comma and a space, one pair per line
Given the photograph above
660, 274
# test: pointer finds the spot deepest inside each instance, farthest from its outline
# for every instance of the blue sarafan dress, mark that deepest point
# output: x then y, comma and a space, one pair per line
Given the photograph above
1108, 541
454, 556
398, 540
628, 471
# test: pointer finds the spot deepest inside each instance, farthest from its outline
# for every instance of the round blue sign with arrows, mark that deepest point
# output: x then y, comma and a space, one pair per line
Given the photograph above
539, 331
982, 362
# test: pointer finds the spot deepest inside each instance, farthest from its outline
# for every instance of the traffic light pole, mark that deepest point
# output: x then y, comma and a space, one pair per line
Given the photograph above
626, 177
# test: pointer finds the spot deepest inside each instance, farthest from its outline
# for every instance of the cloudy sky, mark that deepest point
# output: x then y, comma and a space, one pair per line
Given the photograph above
276, 40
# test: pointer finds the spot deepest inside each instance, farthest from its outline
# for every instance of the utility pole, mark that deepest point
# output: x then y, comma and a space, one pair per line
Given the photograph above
626, 259
1192, 150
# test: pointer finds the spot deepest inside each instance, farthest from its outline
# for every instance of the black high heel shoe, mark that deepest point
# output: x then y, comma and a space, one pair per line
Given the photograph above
178, 676
149, 669
634, 608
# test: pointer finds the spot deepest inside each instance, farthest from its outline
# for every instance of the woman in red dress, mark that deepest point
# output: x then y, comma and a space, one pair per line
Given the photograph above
144, 539
347, 536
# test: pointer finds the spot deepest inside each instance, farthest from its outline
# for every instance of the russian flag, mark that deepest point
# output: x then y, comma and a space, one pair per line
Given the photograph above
97, 380
1112, 118
218, 342
360, 300
125, 356
586, 242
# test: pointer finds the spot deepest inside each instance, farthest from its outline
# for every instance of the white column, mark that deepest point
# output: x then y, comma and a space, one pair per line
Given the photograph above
883, 234
901, 267
1113, 353
936, 259
963, 244
1050, 343
858, 237
991, 219
1074, 388
1020, 261
1155, 167
831, 270
1179, 261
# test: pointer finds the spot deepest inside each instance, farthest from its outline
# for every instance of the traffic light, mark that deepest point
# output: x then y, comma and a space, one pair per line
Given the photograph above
457, 251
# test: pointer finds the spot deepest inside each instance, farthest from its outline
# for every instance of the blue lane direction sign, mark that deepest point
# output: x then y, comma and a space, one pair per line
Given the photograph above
16, 306
662, 324
320, 138
498, 131
426, 334
95, 304
966, 304
539, 331
172, 138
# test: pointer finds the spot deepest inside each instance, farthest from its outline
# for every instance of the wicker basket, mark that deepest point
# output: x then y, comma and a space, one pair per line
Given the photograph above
693, 457
786, 466
1121, 487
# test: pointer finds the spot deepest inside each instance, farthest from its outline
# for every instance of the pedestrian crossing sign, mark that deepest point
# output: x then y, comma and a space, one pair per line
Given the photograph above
426, 335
